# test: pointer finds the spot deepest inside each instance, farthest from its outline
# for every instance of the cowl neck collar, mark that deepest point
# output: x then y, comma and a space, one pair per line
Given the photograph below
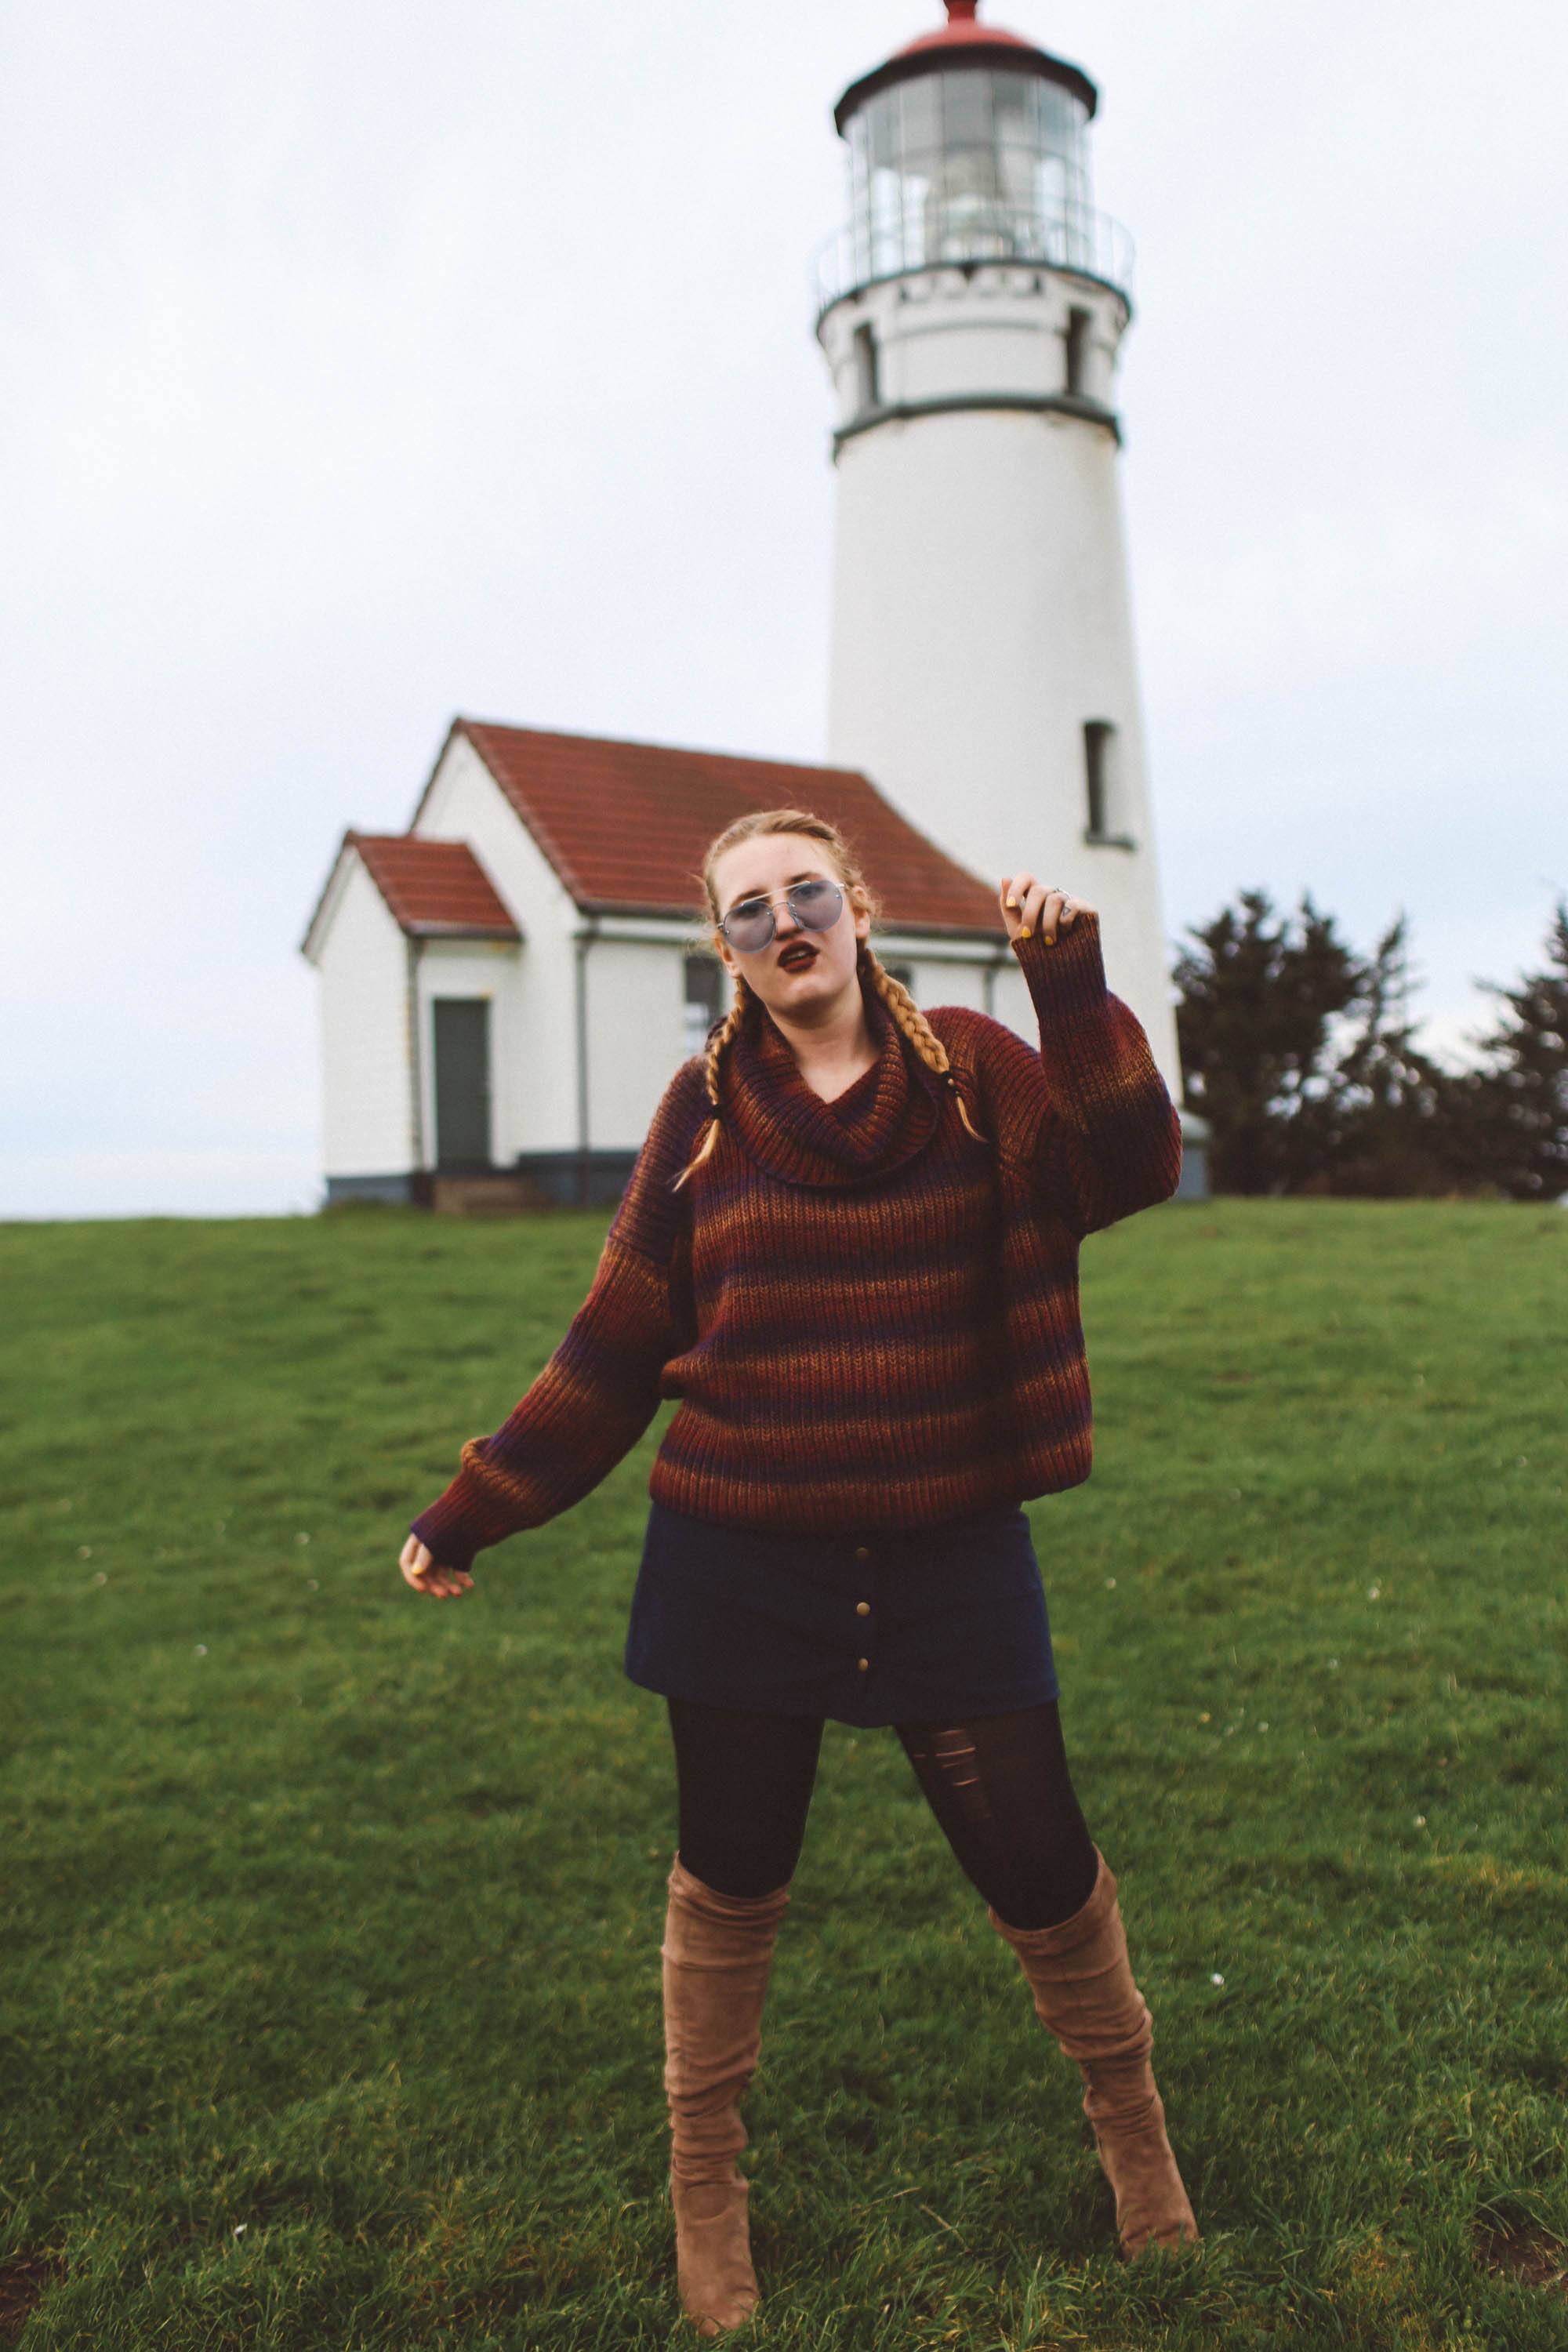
888, 1113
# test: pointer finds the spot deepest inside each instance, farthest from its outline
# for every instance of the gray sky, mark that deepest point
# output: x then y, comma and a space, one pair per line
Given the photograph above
363, 365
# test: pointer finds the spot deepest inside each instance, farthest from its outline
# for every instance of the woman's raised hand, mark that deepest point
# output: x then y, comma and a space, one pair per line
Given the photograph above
421, 1572
1029, 906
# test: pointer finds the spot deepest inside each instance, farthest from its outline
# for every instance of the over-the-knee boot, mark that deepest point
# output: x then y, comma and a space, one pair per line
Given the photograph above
1078, 1973
718, 1949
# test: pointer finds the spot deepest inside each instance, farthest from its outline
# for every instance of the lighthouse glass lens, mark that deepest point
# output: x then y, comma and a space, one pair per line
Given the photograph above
814, 903
969, 163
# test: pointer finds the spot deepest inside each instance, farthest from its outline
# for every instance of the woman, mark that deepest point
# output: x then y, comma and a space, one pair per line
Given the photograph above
850, 1244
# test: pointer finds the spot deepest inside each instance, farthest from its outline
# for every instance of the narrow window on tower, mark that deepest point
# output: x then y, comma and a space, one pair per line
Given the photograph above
704, 1000
867, 391
1077, 341
1099, 779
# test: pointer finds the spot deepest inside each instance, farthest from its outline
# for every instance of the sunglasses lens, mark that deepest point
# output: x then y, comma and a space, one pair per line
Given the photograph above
749, 926
815, 905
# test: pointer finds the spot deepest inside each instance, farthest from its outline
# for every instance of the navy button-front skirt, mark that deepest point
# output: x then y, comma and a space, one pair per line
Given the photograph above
881, 1625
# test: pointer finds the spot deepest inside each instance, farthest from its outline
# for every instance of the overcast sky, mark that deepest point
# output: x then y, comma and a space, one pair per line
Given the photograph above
366, 363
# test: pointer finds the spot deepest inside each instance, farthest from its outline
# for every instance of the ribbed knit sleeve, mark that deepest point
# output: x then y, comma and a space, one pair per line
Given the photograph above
601, 1388
1090, 1116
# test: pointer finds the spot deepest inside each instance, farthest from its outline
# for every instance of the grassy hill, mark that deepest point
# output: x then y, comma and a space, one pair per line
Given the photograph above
330, 1923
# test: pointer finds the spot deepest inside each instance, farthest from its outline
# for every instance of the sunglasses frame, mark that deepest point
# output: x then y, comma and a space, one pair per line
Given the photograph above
814, 881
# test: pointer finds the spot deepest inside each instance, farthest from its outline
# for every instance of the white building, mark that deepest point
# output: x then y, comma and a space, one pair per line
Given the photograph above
971, 314
507, 987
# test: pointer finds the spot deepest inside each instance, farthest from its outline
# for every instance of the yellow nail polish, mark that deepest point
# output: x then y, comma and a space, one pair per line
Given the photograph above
1024, 932
1050, 938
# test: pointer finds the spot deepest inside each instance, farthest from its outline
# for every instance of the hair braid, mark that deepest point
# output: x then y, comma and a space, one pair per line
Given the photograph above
912, 1024
720, 1039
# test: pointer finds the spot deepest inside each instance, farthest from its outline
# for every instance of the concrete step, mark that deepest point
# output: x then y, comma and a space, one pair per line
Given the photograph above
485, 1196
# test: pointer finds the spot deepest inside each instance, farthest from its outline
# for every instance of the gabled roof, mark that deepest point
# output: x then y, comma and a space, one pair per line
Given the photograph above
434, 889
624, 825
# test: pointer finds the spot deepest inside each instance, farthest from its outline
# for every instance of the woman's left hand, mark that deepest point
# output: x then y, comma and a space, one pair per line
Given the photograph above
1028, 906
419, 1569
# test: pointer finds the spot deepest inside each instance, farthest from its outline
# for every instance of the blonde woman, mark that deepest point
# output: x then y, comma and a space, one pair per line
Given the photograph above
849, 1246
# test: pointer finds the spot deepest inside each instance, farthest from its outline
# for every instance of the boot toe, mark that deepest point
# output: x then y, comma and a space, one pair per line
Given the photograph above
713, 2263
1168, 2229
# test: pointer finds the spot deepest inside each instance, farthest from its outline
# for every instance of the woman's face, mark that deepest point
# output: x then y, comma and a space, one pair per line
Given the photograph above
804, 987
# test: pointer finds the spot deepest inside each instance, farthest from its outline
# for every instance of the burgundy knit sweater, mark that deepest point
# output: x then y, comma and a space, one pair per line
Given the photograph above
870, 1318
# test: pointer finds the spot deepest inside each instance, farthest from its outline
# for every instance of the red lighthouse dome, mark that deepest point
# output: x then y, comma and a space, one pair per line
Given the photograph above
964, 41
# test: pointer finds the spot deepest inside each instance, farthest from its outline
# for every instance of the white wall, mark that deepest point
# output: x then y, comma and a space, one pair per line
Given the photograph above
940, 333
476, 968
366, 1086
935, 982
636, 1022
532, 1049
981, 612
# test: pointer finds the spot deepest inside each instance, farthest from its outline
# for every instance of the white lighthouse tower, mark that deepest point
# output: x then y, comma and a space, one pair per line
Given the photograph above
982, 671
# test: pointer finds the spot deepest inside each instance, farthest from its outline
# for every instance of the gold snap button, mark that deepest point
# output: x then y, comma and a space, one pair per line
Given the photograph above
863, 1663
862, 1609
862, 1552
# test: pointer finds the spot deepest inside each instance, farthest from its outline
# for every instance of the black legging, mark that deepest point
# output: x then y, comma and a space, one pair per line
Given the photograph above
998, 1784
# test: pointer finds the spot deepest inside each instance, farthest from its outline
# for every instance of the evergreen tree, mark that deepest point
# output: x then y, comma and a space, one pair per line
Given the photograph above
1255, 999
1514, 1130
1383, 1125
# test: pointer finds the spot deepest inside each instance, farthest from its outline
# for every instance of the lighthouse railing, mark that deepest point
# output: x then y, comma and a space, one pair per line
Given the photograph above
1075, 238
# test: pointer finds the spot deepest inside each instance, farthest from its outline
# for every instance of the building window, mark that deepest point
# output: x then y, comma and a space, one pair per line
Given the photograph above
904, 973
704, 1000
1102, 784
867, 390
1077, 341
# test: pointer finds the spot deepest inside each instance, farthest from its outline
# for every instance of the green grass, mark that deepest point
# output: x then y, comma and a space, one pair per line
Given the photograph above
330, 1981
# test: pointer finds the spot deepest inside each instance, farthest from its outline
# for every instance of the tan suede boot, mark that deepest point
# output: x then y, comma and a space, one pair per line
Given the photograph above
718, 1949
1078, 1973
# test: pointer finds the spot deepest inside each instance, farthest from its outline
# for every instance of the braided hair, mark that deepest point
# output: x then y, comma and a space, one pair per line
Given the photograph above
903, 1009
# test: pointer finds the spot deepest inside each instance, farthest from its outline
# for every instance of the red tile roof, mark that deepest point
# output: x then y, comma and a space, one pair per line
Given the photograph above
435, 889
625, 825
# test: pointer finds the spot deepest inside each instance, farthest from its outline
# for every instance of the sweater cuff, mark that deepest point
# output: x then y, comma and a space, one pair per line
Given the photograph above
1070, 978
446, 1529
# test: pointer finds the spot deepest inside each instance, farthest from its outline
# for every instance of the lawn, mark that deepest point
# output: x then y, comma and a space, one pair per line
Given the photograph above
331, 1975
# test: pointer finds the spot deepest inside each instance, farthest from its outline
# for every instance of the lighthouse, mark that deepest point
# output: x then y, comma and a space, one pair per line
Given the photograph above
971, 310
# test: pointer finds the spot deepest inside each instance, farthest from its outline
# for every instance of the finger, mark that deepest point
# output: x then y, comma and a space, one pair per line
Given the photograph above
447, 1583
419, 1571
1015, 904
1051, 915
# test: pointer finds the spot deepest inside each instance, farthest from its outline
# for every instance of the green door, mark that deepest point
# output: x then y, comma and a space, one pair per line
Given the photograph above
462, 1081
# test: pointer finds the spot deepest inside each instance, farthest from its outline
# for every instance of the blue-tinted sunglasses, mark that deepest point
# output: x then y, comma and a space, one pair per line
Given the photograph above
816, 904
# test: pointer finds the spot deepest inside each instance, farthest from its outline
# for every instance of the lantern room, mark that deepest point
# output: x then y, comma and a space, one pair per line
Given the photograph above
970, 144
